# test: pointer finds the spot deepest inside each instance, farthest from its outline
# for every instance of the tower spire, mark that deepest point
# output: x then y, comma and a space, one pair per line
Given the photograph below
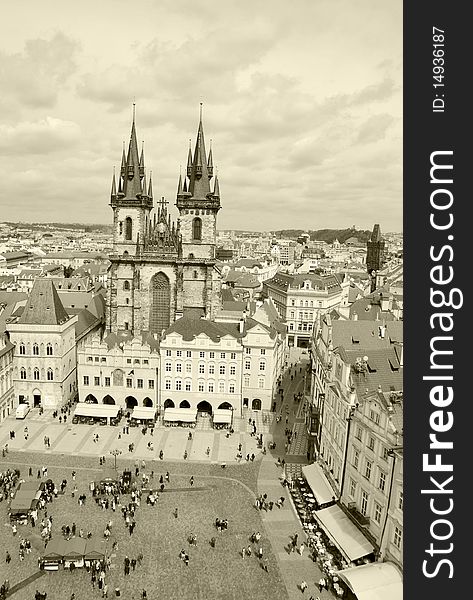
210, 165
113, 193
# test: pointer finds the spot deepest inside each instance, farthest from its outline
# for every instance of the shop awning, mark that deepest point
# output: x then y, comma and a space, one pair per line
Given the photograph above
222, 415
374, 581
186, 415
143, 412
318, 483
84, 409
343, 533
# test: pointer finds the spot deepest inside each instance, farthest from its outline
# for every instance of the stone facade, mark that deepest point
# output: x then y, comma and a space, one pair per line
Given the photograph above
7, 394
44, 363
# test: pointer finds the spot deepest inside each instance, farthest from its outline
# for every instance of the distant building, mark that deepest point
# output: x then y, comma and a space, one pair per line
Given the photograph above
375, 256
300, 298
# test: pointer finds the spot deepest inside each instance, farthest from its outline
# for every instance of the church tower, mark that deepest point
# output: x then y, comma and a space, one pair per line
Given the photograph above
132, 201
162, 270
198, 205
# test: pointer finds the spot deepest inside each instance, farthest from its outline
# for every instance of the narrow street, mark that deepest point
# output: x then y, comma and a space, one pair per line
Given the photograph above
282, 523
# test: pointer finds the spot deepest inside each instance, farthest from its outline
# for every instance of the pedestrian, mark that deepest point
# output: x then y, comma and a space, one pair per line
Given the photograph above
301, 548
322, 584
175, 513
191, 481
260, 553
144, 594
303, 586
7, 557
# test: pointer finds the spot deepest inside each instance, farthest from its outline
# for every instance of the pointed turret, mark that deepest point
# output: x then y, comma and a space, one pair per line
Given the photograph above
210, 165
189, 160
184, 189
142, 160
179, 185
150, 187
144, 192
123, 165
113, 193
216, 187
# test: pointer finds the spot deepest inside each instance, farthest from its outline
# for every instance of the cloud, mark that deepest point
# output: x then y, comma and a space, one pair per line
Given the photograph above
46, 136
374, 128
33, 78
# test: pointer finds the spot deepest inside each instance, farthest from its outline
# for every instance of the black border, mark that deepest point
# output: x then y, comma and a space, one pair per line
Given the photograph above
424, 133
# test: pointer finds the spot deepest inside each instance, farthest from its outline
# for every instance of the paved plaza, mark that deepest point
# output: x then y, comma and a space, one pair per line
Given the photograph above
228, 493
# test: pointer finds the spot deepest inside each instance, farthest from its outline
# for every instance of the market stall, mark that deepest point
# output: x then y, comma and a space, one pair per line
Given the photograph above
74, 552
54, 554
180, 416
143, 415
222, 417
94, 551
85, 412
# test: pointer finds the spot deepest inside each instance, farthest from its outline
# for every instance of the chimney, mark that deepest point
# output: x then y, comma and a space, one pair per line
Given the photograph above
241, 325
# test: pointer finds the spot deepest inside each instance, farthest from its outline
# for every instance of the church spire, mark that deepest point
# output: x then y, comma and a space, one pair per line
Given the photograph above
199, 185
132, 180
150, 187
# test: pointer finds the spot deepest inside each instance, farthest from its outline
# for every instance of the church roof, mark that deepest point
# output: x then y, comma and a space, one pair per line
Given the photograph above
43, 306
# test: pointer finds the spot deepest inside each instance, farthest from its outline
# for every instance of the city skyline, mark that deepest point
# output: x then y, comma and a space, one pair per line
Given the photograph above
304, 109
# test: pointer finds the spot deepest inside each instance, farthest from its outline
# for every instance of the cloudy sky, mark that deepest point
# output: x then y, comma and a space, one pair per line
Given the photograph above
302, 99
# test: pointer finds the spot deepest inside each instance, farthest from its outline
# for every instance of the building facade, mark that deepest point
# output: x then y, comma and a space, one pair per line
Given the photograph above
7, 395
44, 371
300, 298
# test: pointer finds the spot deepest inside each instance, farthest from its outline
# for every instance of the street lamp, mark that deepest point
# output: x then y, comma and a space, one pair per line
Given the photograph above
115, 453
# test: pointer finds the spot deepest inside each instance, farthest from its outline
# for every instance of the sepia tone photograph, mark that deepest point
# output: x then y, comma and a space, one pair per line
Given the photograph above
201, 300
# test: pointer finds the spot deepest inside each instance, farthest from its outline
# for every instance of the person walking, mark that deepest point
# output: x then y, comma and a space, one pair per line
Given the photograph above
301, 548
303, 586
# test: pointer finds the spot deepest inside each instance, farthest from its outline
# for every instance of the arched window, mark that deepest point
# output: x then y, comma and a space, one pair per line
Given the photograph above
36, 349
126, 285
50, 375
128, 228
22, 373
22, 348
49, 349
36, 374
159, 314
197, 229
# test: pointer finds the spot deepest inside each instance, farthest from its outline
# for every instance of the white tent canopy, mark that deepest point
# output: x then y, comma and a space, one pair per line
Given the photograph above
222, 415
344, 534
374, 581
318, 483
84, 409
143, 412
186, 415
